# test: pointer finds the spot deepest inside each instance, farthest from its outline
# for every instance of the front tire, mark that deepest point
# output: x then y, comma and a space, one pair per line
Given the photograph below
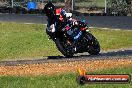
63, 49
93, 45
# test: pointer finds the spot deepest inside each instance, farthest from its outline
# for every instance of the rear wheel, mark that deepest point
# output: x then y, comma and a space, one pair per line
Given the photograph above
65, 47
93, 45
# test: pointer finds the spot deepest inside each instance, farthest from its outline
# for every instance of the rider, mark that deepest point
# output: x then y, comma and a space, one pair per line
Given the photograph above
54, 14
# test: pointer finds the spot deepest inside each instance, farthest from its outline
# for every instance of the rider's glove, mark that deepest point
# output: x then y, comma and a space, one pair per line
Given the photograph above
63, 12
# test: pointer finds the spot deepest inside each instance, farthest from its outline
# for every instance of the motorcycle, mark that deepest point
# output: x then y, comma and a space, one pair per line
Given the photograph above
71, 42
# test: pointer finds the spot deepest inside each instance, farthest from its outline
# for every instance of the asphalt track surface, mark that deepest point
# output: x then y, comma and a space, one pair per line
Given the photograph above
114, 22
93, 21
116, 54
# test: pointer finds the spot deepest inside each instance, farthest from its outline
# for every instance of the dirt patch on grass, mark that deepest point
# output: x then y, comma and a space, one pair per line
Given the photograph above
64, 67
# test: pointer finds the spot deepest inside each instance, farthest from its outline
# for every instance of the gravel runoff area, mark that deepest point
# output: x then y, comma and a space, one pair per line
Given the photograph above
60, 67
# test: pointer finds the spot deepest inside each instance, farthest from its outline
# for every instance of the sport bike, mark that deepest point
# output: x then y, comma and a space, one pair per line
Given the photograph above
76, 39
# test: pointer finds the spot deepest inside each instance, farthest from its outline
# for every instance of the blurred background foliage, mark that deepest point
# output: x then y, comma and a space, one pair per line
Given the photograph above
115, 7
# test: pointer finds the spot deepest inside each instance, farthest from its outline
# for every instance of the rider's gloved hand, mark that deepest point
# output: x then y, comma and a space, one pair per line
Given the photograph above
63, 12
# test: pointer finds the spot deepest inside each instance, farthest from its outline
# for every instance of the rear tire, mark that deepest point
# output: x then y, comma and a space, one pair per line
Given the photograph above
62, 48
93, 45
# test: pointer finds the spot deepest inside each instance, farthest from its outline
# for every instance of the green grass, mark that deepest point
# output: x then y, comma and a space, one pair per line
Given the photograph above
61, 81
22, 41
98, 3
113, 39
88, 3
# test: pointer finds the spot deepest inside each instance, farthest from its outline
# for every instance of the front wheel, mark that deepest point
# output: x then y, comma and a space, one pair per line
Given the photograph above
93, 45
64, 47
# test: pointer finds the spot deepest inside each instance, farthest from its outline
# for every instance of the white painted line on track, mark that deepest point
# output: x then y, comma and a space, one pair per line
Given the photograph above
109, 28
91, 27
33, 23
29, 23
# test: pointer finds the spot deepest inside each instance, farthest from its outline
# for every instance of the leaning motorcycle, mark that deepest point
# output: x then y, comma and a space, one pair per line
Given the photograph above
71, 42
